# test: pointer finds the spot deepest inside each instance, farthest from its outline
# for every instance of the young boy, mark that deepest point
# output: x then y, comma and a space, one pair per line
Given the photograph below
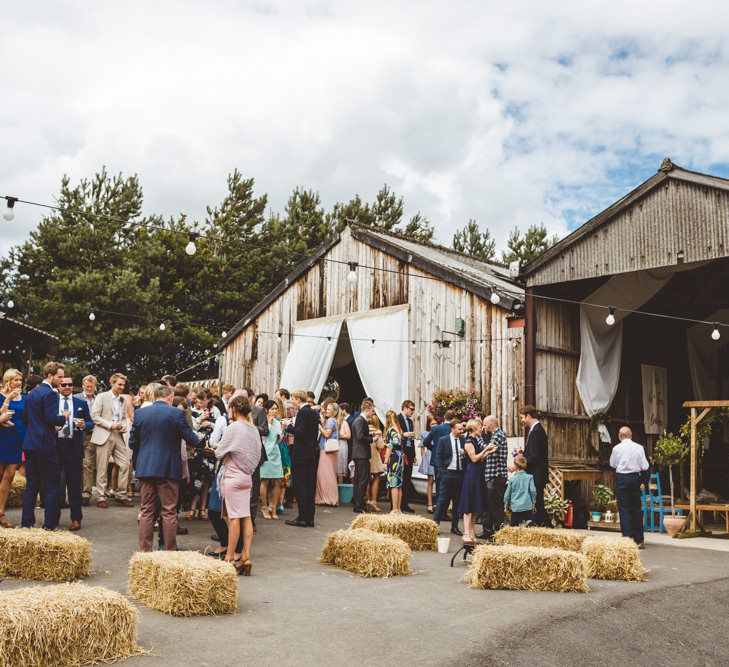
521, 494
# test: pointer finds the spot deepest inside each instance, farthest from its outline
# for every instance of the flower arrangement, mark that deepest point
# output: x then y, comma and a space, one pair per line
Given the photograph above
555, 506
464, 403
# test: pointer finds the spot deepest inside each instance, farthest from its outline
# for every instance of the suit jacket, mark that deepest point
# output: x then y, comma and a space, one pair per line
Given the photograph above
79, 410
361, 438
443, 452
40, 419
406, 425
260, 421
306, 434
536, 453
155, 441
435, 434
102, 415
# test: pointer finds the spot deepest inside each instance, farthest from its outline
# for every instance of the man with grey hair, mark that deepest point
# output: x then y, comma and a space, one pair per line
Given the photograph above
629, 460
88, 384
494, 477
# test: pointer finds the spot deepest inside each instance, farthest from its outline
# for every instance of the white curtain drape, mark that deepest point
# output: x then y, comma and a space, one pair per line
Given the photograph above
310, 356
601, 345
702, 359
382, 367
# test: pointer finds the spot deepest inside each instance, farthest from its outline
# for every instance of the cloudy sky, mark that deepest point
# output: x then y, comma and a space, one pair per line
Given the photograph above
509, 113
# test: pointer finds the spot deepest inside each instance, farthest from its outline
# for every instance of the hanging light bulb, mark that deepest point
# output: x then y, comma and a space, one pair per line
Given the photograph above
191, 248
162, 326
352, 275
11, 303
279, 336
92, 316
413, 343
480, 344
9, 214
329, 340
495, 298
225, 333
716, 334
373, 343
610, 319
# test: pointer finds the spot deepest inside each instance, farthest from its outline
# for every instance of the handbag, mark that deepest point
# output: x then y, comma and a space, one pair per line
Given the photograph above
331, 445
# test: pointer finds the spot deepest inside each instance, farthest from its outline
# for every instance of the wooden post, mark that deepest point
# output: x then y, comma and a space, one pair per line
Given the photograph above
530, 353
692, 499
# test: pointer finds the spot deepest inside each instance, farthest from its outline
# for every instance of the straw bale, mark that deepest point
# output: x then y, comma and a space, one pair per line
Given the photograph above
183, 583
65, 624
528, 569
367, 553
419, 533
33, 553
17, 491
612, 557
549, 538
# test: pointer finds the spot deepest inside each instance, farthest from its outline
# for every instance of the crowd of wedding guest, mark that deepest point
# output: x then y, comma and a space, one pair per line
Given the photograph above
238, 455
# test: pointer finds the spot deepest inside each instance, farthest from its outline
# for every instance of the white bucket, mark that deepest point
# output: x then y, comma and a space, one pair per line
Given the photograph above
444, 544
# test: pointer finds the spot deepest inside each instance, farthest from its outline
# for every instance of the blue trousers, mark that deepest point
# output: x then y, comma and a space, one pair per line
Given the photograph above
631, 515
42, 472
71, 456
449, 489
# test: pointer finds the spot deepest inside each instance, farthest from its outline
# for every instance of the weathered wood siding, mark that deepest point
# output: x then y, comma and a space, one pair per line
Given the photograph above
256, 358
628, 241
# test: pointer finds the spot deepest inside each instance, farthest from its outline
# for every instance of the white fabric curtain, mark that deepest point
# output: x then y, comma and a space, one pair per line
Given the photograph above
702, 350
382, 367
601, 345
310, 356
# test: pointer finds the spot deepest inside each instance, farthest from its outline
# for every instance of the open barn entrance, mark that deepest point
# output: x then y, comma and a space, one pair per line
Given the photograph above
344, 383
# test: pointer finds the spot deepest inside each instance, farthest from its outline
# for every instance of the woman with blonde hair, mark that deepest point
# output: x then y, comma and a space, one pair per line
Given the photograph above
394, 460
239, 452
376, 466
12, 433
471, 502
327, 491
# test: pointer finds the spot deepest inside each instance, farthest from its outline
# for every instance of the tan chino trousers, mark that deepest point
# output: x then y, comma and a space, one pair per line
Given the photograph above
116, 447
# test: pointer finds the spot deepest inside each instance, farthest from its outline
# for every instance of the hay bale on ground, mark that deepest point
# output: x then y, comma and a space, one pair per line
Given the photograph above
527, 569
419, 533
33, 553
367, 553
17, 491
65, 624
612, 557
183, 583
549, 538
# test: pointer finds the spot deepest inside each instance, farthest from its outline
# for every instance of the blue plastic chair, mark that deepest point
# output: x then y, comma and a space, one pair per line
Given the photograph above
652, 504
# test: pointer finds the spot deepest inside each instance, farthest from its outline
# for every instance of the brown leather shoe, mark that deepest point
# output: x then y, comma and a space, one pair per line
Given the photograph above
102, 503
124, 502
75, 525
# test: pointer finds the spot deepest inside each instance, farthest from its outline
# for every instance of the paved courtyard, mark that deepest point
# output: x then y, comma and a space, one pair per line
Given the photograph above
294, 611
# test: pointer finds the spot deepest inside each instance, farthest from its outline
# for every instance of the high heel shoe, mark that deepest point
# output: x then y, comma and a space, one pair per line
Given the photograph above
272, 510
265, 512
243, 568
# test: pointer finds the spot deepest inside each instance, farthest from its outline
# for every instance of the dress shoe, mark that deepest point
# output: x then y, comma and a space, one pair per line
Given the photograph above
641, 545
86, 502
215, 538
181, 530
102, 503
485, 536
355, 511
309, 524
124, 502
75, 525
407, 510
299, 523
456, 531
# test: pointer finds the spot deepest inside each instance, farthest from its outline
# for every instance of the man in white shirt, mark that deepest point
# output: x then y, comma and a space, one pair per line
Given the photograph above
449, 454
629, 460
88, 394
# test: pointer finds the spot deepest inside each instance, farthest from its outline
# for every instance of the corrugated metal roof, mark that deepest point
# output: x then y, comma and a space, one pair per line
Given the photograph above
18, 323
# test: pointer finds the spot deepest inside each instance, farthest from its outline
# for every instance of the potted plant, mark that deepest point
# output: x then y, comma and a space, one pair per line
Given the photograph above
555, 508
601, 496
669, 451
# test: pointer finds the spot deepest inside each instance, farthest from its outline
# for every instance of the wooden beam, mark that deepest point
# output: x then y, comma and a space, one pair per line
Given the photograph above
692, 499
530, 348
702, 415
706, 404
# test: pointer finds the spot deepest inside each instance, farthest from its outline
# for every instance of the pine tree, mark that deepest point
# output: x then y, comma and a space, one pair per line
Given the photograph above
528, 247
472, 241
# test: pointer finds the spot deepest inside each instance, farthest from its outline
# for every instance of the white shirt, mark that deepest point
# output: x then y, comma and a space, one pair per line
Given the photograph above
628, 457
220, 424
69, 419
116, 406
456, 463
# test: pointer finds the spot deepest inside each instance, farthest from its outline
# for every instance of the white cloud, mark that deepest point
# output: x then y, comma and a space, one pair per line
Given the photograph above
507, 114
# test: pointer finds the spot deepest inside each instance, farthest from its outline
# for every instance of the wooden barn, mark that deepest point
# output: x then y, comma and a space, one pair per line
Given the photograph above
372, 313
21, 343
662, 249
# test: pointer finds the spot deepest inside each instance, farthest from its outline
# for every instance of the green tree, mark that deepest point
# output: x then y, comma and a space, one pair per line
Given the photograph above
472, 241
528, 247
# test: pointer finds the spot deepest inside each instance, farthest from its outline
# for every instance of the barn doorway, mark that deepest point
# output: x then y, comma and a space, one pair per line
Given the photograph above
344, 383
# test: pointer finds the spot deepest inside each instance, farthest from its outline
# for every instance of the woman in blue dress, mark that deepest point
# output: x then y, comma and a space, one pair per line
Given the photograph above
394, 463
471, 502
12, 433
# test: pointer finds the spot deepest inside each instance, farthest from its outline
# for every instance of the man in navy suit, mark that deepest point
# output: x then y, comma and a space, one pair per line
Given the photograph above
155, 443
536, 453
405, 419
71, 446
42, 467
431, 440
449, 457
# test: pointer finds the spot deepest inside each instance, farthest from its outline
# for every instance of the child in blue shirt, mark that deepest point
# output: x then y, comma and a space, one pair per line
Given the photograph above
521, 494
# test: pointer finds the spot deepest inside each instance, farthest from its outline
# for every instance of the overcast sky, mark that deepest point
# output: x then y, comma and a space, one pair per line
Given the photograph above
504, 112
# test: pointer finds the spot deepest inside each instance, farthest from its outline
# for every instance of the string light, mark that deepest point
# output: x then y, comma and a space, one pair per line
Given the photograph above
224, 334
610, 319
11, 303
715, 334
495, 298
191, 248
162, 326
92, 316
480, 343
279, 336
9, 214
413, 343
329, 340
352, 275
372, 345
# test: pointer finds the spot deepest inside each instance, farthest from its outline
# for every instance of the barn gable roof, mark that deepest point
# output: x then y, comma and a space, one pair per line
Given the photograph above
474, 275
667, 170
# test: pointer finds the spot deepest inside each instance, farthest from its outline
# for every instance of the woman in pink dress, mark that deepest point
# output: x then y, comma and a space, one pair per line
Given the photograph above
327, 490
239, 451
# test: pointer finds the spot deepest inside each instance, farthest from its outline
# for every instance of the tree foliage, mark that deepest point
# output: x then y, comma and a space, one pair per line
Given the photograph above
527, 247
472, 241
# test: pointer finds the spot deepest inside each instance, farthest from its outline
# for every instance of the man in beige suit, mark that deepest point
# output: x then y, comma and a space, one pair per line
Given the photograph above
108, 415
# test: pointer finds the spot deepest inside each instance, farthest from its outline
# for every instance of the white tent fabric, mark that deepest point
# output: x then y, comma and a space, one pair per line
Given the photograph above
702, 359
601, 345
310, 356
383, 367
